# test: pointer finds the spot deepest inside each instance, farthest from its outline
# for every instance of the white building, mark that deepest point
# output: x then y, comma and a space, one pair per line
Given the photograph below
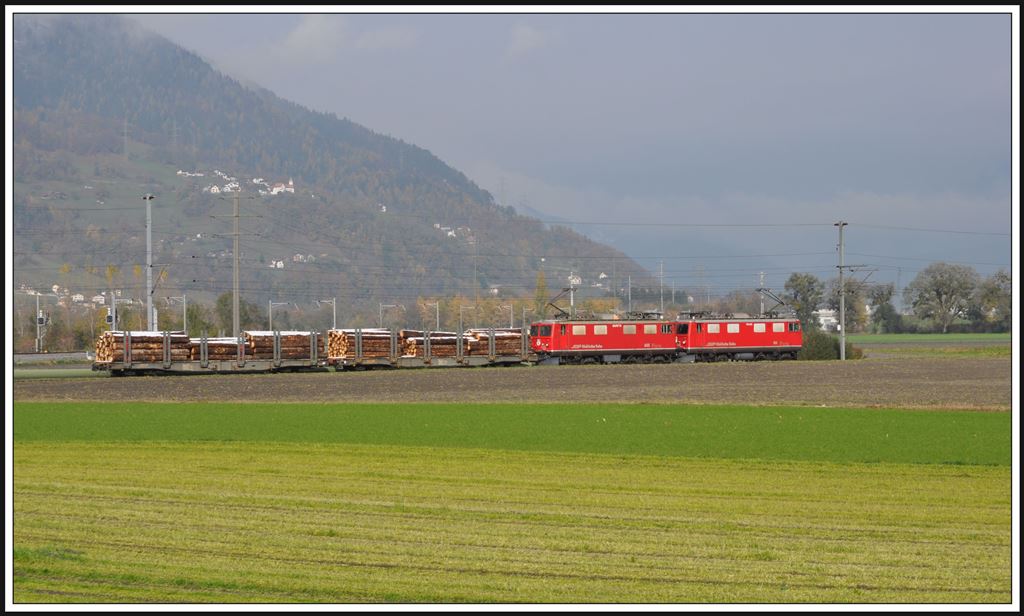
827, 319
281, 187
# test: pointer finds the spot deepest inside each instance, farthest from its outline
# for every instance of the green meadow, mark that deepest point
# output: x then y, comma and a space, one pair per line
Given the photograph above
951, 339
440, 503
55, 373
777, 433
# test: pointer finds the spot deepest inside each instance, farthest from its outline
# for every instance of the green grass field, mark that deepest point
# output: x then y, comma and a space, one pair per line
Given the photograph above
950, 339
56, 373
774, 433
963, 351
950, 346
301, 503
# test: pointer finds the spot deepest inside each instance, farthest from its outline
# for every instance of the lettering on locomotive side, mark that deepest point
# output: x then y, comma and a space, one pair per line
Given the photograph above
730, 343
588, 346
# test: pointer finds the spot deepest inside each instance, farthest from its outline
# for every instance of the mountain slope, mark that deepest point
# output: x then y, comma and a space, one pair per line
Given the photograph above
105, 112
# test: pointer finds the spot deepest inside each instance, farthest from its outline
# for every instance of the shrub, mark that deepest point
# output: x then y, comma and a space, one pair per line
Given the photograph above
819, 345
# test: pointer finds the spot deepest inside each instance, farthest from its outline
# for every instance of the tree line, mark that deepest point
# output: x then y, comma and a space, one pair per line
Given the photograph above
943, 297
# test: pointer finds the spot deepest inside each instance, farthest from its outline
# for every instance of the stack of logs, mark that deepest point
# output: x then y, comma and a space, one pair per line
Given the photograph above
507, 341
442, 344
217, 349
294, 345
146, 347
341, 343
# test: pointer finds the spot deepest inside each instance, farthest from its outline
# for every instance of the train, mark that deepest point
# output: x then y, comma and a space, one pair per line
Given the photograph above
646, 338
635, 338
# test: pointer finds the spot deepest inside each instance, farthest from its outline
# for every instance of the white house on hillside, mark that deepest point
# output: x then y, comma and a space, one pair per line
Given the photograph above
281, 187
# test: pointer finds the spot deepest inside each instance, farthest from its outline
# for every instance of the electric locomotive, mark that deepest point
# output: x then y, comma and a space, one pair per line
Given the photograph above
646, 338
709, 338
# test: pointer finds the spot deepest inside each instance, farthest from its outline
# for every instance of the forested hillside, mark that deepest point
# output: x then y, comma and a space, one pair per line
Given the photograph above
106, 112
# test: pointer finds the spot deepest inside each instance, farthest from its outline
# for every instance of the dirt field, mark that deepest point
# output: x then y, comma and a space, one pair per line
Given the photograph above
975, 383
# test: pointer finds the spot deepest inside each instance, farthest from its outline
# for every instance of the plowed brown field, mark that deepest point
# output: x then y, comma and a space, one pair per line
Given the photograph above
973, 383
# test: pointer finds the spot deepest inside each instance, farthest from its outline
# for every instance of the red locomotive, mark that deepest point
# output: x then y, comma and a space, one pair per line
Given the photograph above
648, 339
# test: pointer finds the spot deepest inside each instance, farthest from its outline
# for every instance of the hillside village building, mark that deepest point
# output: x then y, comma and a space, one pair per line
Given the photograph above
280, 187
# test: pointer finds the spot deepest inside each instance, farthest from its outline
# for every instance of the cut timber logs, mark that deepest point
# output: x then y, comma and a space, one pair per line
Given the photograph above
507, 341
217, 349
341, 343
294, 344
146, 346
442, 344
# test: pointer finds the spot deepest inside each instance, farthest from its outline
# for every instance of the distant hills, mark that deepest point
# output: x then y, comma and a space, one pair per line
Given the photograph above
106, 112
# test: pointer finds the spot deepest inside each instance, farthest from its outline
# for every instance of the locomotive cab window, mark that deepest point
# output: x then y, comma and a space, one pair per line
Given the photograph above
684, 328
562, 329
666, 329
545, 330
533, 330
794, 327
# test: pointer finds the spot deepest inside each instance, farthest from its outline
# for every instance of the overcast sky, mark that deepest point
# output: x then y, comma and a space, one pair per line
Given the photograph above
878, 120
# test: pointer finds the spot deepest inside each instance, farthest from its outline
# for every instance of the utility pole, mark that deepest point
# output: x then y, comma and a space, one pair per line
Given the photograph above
761, 286
235, 289
234, 299
476, 285
842, 295
148, 198
574, 280
896, 291
661, 285
629, 293
39, 321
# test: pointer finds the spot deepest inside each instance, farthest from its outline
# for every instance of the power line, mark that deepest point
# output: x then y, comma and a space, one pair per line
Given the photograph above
933, 230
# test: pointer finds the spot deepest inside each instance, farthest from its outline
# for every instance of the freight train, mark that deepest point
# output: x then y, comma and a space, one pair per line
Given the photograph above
638, 338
